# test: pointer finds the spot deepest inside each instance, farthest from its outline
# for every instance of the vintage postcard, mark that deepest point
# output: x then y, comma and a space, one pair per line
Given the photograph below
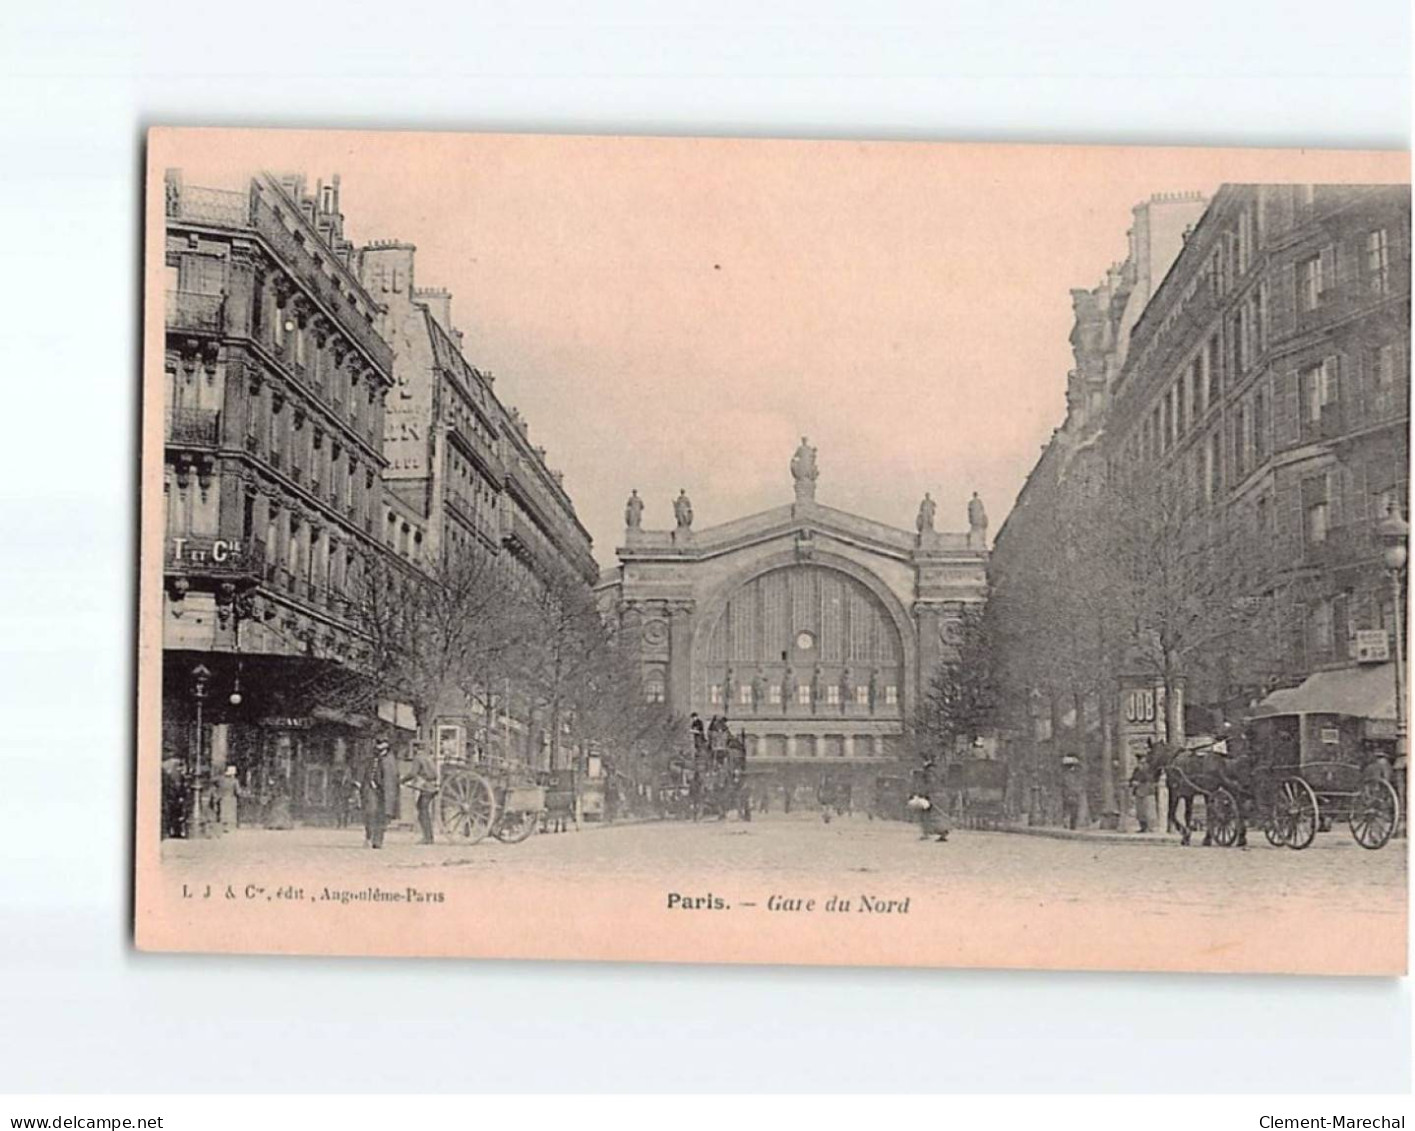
750, 551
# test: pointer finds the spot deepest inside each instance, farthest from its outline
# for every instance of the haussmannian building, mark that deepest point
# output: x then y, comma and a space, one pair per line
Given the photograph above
275, 379
463, 472
1271, 372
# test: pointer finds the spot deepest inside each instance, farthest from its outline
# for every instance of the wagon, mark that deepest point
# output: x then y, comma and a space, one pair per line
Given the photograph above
1311, 771
482, 796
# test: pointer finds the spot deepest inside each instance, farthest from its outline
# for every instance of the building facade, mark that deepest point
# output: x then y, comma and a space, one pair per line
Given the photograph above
276, 378
1052, 706
1270, 376
810, 629
462, 472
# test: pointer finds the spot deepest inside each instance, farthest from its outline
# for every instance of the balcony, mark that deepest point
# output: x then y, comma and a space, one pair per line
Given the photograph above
199, 313
194, 428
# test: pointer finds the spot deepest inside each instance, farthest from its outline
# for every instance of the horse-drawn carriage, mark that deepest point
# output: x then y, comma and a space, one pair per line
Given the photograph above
477, 796
716, 776
1292, 774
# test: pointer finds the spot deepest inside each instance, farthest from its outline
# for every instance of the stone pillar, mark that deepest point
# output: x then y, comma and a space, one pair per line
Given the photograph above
680, 660
790, 746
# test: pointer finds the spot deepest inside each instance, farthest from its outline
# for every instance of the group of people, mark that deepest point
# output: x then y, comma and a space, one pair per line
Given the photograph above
213, 809
378, 786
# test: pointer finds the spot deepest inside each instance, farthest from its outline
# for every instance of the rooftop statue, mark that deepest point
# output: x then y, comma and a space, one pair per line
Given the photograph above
977, 520
633, 511
925, 521
683, 510
804, 471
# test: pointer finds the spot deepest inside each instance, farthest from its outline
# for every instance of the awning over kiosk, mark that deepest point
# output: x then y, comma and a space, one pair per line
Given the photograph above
1366, 692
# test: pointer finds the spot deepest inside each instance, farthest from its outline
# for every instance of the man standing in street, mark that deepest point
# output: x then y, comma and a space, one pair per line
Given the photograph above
1071, 787
373, 792
424, 781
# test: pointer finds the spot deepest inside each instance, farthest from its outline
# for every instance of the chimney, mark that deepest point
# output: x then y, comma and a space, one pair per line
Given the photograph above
386, 270
438, 301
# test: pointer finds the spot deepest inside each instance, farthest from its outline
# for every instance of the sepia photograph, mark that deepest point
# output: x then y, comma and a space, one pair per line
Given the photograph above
764, 551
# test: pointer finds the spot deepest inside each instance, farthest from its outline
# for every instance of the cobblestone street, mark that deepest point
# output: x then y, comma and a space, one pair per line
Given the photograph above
992, 874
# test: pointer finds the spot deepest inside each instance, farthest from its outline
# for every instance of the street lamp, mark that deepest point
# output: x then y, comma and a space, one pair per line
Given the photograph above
201, 678
1394, 533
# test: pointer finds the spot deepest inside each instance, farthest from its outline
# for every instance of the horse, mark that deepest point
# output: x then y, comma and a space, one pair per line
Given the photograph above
1202, 773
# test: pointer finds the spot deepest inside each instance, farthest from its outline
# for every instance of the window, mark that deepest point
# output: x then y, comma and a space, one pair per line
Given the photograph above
891, 695
1213, 381
1242, 450
773, 693
1310, 283
715, 694
1380, 368
1213, 466
1323, 628
653, 691
1320, 394
862, 696
1315, 506
744, 694
832, 694
1260, 423
1378, 261
803, 695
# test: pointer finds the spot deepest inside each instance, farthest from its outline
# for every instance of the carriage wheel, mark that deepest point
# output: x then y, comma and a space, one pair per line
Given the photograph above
516, 827
468, 807
1298, 812
1274, 828
1221, 813
1374, 814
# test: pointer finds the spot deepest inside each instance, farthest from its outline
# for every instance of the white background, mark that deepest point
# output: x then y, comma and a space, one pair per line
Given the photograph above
78, 1008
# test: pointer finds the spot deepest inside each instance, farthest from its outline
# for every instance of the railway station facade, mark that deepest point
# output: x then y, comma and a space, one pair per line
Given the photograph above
812, 630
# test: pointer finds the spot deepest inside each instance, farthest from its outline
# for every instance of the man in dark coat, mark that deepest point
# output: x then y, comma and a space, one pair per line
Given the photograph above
375, 789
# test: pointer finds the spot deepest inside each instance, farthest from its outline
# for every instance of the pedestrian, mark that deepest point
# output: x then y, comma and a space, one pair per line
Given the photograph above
424, 781
373, 793
174, 799
931, 803
1142, 789
1071, 789
227, 789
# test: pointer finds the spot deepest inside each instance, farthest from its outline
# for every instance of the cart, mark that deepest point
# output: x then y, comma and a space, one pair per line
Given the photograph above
979, 786
1310, 772
477, 797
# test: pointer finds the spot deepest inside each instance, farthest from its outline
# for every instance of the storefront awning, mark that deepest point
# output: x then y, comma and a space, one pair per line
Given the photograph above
1365, 692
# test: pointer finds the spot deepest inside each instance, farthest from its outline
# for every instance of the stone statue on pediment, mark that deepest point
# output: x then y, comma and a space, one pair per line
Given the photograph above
634, 511
683, 510
925, 522
977, 521
804, 471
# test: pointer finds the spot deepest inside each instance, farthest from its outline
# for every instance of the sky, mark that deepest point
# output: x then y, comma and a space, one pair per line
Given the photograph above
678, 313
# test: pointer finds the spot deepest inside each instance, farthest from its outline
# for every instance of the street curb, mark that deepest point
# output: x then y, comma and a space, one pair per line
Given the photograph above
1097, 836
